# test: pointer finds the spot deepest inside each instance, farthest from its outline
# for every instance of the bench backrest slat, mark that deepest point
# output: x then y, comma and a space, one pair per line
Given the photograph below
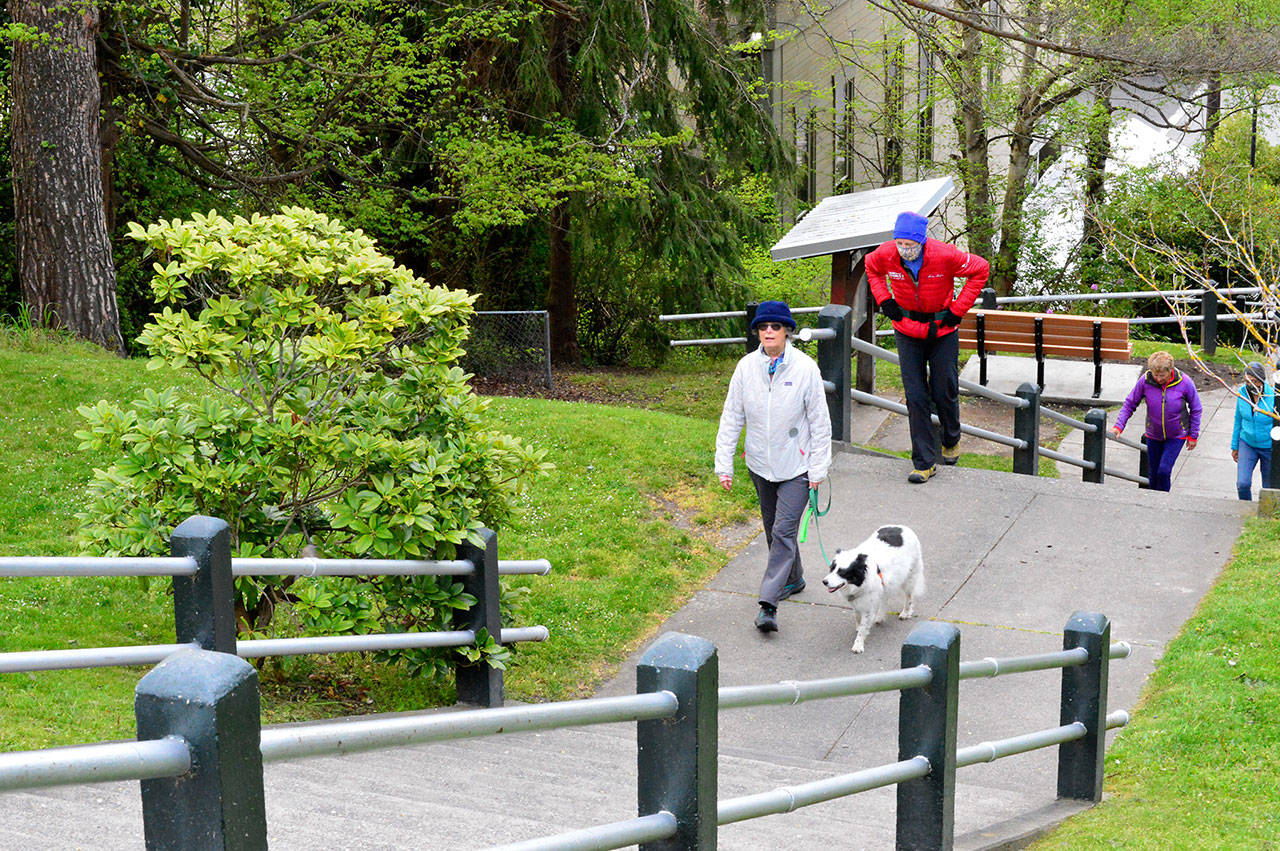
1063, 334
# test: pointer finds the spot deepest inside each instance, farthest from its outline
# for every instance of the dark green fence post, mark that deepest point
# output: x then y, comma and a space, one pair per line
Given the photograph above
927, 727
204, 604
835, 362
1026, 427
1209, 323
1095, 445
1144, 463
676, 757
479, 682
1084, 699
753, 342
988, 296
210, 700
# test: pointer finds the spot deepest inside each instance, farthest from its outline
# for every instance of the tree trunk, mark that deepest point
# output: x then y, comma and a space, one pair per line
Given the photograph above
62, 245
562, 299
971, 120
1096, 153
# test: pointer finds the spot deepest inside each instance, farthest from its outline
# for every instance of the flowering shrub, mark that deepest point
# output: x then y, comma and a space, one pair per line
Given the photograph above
335, 418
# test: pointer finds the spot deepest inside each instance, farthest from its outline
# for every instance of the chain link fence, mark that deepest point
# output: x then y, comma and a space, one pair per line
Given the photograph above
510, 345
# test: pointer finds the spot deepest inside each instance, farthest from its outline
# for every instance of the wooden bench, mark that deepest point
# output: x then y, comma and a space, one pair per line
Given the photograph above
1041, 334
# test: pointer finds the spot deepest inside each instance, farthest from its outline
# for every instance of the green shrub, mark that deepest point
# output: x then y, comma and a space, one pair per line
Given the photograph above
335, 419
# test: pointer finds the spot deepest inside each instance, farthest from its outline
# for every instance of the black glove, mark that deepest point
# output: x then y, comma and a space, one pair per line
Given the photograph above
890, 308
950, 320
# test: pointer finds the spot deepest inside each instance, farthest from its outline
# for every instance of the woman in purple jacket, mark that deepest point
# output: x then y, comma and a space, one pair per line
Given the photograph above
1167, 393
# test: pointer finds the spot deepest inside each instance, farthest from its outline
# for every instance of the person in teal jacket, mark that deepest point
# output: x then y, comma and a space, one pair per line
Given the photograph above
1251, 433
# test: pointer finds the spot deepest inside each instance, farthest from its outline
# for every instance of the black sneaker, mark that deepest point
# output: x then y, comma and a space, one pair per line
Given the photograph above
767, 619
792, 588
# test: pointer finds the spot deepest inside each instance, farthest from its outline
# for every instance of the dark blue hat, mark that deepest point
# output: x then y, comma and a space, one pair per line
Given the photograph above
911, 226
773, 311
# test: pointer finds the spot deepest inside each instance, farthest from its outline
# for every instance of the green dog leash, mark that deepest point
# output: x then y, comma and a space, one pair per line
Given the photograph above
814, 513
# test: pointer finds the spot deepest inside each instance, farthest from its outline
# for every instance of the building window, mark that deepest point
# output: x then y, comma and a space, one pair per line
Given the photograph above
924, 115
807, 156
893, 105
842, 96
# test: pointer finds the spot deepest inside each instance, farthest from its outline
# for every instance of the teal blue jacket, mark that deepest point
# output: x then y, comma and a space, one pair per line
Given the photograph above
1253, 422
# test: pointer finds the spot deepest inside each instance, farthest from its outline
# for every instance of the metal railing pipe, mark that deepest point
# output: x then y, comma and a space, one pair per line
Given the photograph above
1056, 416
97, 566
88, 657
994, 395
711, 341
725, 314
349, 567
1119, 718
899, 408
1113, 296
343, 737
101, 763
990, 667
1124, 441
1120, 650
519, 634
1128, 477
619, 834
788, 798
792, 692
321, 644
524, 567
990, 751
1067, 459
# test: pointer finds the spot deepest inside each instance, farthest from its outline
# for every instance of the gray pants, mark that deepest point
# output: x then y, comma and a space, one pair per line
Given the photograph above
782, 504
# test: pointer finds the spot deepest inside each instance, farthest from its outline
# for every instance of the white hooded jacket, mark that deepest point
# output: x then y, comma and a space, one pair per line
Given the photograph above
788, 425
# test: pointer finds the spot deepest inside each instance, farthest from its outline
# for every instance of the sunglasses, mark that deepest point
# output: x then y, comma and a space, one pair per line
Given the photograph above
770, 326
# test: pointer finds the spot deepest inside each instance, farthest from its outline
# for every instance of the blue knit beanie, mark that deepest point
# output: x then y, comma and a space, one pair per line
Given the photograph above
911, 226
773, 311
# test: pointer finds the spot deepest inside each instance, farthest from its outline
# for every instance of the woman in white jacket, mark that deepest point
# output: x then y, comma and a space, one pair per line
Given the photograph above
776, 393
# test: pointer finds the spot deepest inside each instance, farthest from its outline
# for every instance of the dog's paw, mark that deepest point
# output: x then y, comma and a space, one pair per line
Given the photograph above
857, 647
906, 615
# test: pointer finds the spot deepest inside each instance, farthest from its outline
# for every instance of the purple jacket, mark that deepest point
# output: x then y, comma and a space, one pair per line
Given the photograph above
1164, 406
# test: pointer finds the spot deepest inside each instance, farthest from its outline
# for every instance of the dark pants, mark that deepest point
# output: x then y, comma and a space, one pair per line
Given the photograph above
782, 504
1161, 455
931, 380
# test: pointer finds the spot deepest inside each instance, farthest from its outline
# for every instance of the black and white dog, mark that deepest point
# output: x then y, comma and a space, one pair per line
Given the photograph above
884, 567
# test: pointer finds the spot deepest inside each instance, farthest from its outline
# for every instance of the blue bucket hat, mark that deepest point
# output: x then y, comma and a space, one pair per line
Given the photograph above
773, 311
911, 226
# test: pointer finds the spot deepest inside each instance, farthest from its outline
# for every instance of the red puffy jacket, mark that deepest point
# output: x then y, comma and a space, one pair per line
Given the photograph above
934, 291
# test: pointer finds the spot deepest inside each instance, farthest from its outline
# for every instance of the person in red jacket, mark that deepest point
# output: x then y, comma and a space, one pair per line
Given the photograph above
912, 279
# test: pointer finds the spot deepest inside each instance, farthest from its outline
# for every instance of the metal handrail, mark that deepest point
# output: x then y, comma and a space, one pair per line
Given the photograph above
618, 834
1112, 296
341, 737
1066, 459
1128, 477
990, 751
792, 692
965, 428
99, 763
14, 566
128, 566
788, 798
725, 314
258, 648
23, 661
990, 667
